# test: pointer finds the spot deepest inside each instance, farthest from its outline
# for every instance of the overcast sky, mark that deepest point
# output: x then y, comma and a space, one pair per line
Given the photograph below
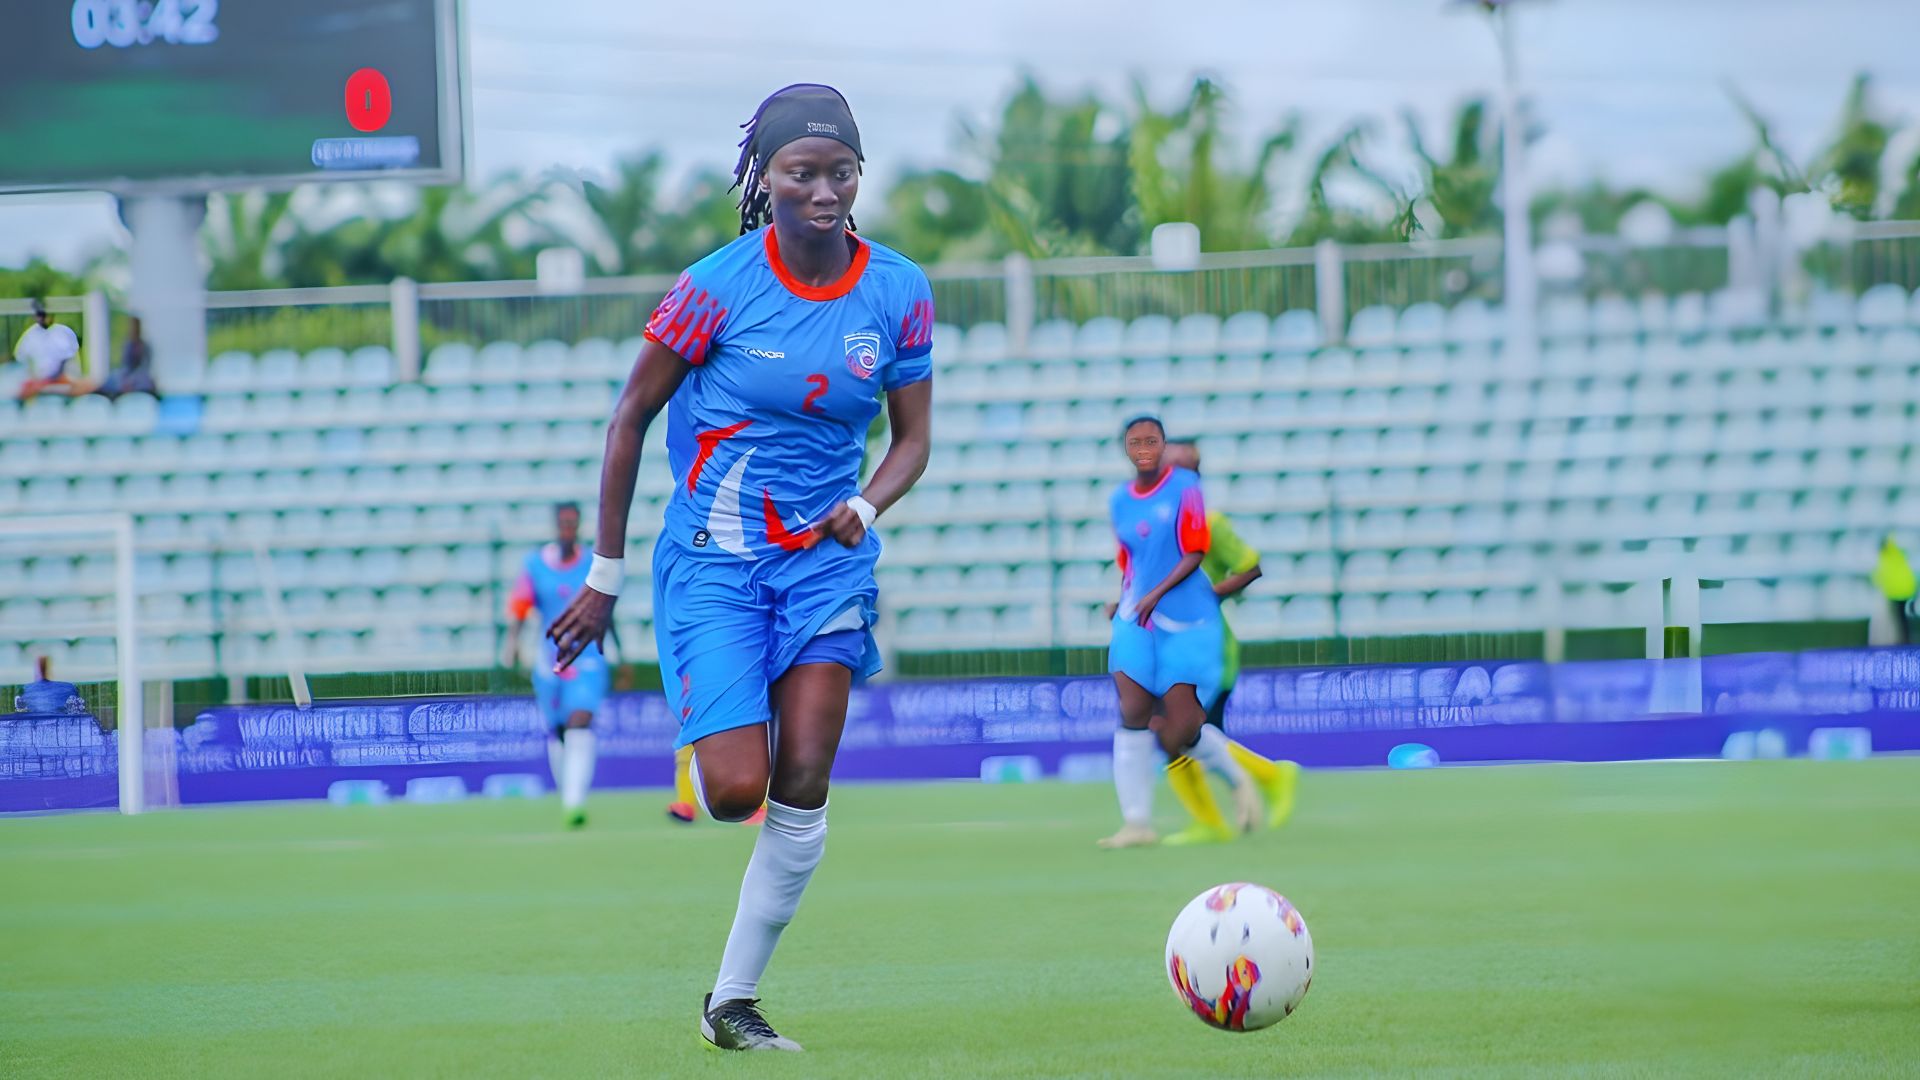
1631, 90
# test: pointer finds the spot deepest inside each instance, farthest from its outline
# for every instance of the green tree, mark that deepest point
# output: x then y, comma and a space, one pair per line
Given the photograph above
1598, 205
1906, 205
1179, 173
1460, 187
1057, 184
451, 234
1850, 165
1325, 219
243, 238
939, 216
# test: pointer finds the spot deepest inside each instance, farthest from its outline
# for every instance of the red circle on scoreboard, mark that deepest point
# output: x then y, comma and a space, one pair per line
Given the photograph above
369, 100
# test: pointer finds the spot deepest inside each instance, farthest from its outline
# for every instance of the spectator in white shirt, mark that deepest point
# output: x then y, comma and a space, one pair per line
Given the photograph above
46, 348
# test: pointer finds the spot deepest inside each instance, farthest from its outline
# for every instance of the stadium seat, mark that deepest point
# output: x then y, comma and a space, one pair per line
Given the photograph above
276, 370
1196, 335
1423, 324
1372, 326
1098, 338
1882, 307
323, 368
1615, 317
985, 343
1472, 322
1248, 332
1149, 336
371, 366
1565, 317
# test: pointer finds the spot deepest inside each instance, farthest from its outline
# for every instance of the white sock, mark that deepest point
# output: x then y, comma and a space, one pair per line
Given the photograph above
789, 847
1136, 769
556, 760
1213, 754
699, 785
578, 751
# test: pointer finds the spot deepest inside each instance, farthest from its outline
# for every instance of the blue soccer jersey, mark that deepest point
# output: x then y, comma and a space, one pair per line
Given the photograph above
1155, 528
766, 435
548, 583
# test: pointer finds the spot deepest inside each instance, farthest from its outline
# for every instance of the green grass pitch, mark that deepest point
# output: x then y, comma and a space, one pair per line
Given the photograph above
1622, 920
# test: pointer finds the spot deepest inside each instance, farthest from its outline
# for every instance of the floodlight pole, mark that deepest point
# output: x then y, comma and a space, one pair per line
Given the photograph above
1522, 291
168, 290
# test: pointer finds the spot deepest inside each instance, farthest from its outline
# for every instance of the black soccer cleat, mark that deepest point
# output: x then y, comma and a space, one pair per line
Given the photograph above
738, 1025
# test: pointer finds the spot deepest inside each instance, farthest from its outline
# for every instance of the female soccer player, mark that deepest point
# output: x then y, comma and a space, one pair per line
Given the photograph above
770, 356
1231, 564
1166, 632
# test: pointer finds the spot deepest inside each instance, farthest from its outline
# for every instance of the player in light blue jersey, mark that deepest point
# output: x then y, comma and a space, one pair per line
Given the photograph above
1167, 649
771, 357
569, 699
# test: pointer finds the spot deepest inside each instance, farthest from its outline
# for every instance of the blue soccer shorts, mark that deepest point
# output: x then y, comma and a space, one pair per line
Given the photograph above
728, 628
580, 688
1159, 658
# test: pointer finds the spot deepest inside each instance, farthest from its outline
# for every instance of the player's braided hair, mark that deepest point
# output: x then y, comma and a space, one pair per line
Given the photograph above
756, 202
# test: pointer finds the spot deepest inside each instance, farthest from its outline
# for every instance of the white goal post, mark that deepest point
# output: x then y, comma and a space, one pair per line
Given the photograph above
117, 526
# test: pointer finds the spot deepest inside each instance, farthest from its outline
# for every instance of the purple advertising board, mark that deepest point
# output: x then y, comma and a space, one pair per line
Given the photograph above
1321, 717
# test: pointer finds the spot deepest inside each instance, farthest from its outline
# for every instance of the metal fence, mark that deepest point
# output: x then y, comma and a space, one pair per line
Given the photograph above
1334, 280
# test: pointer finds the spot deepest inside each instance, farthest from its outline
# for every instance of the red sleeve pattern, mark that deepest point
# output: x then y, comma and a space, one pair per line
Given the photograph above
1194, 534
687, 320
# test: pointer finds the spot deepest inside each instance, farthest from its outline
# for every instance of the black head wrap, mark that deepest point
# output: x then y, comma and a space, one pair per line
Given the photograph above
800, 111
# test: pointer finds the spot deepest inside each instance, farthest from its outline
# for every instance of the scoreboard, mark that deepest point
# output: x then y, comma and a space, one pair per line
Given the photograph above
179, 96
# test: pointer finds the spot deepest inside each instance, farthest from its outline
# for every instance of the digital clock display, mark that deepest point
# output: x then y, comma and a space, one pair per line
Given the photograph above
186, 95
126, 23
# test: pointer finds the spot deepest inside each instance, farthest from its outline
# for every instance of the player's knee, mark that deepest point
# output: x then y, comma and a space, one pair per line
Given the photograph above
733, 799
802, 781
580, 719
1179, 730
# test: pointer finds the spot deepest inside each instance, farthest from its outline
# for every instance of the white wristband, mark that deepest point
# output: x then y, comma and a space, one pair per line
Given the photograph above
865, 509
605, 575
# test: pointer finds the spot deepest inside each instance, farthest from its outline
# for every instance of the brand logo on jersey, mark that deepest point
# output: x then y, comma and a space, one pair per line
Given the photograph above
700, 537
823, 129
863, 354
767, 354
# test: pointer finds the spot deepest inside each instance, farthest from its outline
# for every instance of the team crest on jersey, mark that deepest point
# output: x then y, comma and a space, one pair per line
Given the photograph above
863, 354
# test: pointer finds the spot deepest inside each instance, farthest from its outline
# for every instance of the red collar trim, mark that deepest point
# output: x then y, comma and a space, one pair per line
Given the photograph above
833, 290
1165, 475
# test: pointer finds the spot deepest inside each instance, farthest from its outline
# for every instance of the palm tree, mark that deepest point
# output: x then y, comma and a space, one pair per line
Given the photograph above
452, 234
939, 216
1850, 165
1906, 205
1325, 219
1461, 188
1177, 174
243, 238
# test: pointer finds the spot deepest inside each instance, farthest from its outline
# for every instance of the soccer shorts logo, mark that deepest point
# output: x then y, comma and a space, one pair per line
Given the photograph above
863, 354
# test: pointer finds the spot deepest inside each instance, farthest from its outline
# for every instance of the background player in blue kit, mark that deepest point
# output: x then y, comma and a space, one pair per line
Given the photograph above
770, 357
569, 699
1167, 648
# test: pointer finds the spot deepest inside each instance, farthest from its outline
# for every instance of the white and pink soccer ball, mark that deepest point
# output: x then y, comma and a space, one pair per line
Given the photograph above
1240, 957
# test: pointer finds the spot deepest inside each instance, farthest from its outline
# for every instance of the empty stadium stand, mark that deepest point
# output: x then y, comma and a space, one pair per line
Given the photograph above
1414, 478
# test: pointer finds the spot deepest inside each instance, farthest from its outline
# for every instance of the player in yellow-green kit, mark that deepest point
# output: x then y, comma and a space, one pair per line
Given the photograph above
1232, 564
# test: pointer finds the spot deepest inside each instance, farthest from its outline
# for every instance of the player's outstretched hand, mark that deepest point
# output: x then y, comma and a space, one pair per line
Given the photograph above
844, 526
584, 623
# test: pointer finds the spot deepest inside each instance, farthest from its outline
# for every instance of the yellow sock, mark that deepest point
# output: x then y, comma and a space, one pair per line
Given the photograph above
1190, 786
683, 775
1262, 770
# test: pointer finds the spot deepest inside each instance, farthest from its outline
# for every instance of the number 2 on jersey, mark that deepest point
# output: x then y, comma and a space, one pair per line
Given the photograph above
819, 383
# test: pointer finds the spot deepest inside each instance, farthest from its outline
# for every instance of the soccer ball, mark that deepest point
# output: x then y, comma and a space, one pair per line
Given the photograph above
1239, 956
